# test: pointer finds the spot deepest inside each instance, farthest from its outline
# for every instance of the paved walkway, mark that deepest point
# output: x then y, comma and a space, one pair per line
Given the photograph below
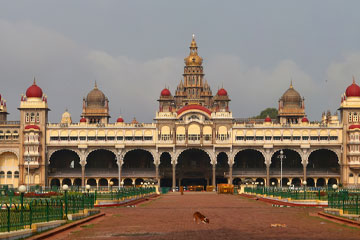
231, 217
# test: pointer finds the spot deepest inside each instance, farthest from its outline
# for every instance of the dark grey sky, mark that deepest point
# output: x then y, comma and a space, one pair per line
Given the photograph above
134, 48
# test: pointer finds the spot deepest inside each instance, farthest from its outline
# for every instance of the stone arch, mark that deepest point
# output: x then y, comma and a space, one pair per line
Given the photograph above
55, 182
194, 167
16, 152
323, 159
138, 151
139, 181
66, 181
179, 152
101, 158
320, 182
103, 182
77, 182
296, 182
310, 182
51, 152
332, 181
62, 161
246, 161
128, 182
91, 182
293, 159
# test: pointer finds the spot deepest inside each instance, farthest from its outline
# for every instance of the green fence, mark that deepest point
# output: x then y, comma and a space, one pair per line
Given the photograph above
17, 215
348, 201
125, 193
296, 194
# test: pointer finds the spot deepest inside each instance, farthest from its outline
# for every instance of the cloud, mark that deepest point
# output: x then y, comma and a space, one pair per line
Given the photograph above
66, 70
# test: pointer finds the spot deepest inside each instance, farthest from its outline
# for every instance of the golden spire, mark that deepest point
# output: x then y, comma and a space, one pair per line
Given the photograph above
95, 87
193, 59
34, 81
353, 79
291, 85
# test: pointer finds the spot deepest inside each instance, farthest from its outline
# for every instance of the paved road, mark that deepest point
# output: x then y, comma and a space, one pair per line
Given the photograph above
231, 217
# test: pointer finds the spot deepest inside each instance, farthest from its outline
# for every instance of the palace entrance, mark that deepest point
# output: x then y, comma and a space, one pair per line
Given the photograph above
193, 168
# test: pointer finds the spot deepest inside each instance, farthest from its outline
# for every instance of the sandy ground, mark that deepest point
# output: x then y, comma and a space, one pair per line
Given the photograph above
231, 217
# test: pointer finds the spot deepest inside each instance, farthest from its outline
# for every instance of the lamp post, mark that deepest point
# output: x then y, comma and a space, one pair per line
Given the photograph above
304, 183
281, 157
334, 187
22, 190
87, 187
65, 188
27, 160
111, 184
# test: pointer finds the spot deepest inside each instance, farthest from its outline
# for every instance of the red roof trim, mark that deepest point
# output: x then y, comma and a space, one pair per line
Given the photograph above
355, 126
193, 107
32, 127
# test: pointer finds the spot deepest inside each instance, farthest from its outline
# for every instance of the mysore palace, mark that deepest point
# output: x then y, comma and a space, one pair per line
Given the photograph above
193, 140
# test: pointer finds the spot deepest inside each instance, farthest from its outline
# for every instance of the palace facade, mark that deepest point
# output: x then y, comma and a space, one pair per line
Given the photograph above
194, 139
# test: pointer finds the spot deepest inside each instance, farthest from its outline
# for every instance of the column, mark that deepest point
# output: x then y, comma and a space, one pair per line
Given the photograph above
230, 173
83, 174
173, 177
304, 167
214, 175
157, 174
119, 162
268, 175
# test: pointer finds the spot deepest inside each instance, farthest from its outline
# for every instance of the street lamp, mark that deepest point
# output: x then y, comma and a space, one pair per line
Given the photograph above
304, 182
288, 183
22, 190
111, 184
87, 187
28, 160
65, 188
334, 186
281, 157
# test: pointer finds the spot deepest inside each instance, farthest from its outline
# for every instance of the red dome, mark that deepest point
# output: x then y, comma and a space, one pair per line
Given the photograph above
120, 120
165, 92
305, 120
32, 127
267, 119
222, 92
83, 120
353, 90
34, 91
355, 126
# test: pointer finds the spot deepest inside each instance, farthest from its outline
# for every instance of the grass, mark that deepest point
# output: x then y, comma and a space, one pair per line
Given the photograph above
87, 226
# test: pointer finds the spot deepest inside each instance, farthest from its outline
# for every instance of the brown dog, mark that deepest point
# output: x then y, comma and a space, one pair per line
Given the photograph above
198, 216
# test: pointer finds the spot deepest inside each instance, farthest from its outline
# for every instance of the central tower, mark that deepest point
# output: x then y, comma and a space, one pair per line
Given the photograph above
193, 89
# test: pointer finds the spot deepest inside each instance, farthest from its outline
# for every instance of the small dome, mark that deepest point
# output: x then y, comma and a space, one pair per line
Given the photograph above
291, 97
353, 90
34, 91
267, 119
304, 120
32, 127
120, 120
222, 92
165, 92
83, 120
66, 117
95, 98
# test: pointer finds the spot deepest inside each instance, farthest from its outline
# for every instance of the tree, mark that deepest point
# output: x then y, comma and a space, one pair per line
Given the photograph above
271, 112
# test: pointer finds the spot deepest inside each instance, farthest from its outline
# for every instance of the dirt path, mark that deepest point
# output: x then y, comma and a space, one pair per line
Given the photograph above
231, 217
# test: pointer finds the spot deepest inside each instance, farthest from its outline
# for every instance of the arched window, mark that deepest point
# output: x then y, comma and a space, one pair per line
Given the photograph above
16, 174
32, 117
37, 117
9, 174
27, 118
351, 175
2, 174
